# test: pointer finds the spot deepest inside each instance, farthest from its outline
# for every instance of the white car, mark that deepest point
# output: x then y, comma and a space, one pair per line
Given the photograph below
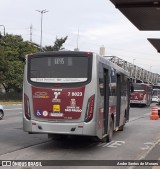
156, 99
1, 112
156, 96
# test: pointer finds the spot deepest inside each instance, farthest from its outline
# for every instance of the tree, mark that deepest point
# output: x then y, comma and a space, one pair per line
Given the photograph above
12, 59
16, 48
12, 56
58, 45
13, 76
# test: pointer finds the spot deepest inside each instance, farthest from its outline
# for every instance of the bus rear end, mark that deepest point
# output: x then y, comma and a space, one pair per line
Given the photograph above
141, 94
59, 93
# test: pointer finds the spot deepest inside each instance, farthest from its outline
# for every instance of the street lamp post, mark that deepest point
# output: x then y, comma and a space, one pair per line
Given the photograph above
42, 12
3, 28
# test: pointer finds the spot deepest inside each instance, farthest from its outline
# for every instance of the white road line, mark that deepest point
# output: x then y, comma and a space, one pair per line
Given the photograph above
116, 144
147, 146
101, 144
108, 144
146, 153
13, 109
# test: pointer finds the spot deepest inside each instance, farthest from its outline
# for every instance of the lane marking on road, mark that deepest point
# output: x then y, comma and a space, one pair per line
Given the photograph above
146, 153
116, 144
5, 105
147, 146
13, 109
108, 144
112, 144
101, 144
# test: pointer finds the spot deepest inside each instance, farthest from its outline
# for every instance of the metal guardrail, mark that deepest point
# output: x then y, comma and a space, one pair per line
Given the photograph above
136, 73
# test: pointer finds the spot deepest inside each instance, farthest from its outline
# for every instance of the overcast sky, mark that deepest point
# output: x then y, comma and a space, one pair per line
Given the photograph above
98, 21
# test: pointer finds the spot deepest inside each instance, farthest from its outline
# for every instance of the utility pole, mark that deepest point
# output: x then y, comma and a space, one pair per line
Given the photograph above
42, 12
31, 33
77, 39
77, 49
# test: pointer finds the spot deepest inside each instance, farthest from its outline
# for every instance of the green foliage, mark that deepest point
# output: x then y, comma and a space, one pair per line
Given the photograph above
58, 45
13, 76
15, 47
12, 58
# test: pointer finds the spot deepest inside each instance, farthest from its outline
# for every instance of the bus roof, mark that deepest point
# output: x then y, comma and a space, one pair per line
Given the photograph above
80, 53
47, 53
115, 66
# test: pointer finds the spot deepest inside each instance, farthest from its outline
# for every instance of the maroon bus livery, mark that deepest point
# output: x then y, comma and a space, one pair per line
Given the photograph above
142, 94
74, 93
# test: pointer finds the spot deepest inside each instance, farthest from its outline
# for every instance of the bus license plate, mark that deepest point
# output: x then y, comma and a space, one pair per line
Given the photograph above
56, 114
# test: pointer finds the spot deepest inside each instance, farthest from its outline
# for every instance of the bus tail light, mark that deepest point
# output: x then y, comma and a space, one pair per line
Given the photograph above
27, 107
90, 109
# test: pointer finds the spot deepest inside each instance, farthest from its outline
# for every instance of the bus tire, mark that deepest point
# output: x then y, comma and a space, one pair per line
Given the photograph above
121, 128
110, 131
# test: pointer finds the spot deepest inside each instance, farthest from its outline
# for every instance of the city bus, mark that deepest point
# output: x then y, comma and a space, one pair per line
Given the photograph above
74, 93
142, 94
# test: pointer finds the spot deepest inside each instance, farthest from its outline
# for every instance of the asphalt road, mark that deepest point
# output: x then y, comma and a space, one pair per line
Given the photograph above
135, 142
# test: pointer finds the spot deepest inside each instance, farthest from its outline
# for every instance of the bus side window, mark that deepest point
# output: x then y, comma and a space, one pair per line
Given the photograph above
113, 81
101, 86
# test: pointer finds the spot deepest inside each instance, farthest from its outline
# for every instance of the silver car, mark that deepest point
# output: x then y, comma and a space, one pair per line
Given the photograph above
1, 112
156, 96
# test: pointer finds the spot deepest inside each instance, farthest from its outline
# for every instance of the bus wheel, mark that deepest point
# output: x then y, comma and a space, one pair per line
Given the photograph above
110, 131
121, 128
124, 122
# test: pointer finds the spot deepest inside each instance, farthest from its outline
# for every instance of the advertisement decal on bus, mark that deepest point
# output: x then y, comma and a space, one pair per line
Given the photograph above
63, 103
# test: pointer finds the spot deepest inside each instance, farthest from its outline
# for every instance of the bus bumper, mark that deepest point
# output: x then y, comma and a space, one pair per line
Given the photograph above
80, 128
138, 101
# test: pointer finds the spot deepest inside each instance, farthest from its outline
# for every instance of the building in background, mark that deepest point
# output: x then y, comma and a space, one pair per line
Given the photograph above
102, 51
